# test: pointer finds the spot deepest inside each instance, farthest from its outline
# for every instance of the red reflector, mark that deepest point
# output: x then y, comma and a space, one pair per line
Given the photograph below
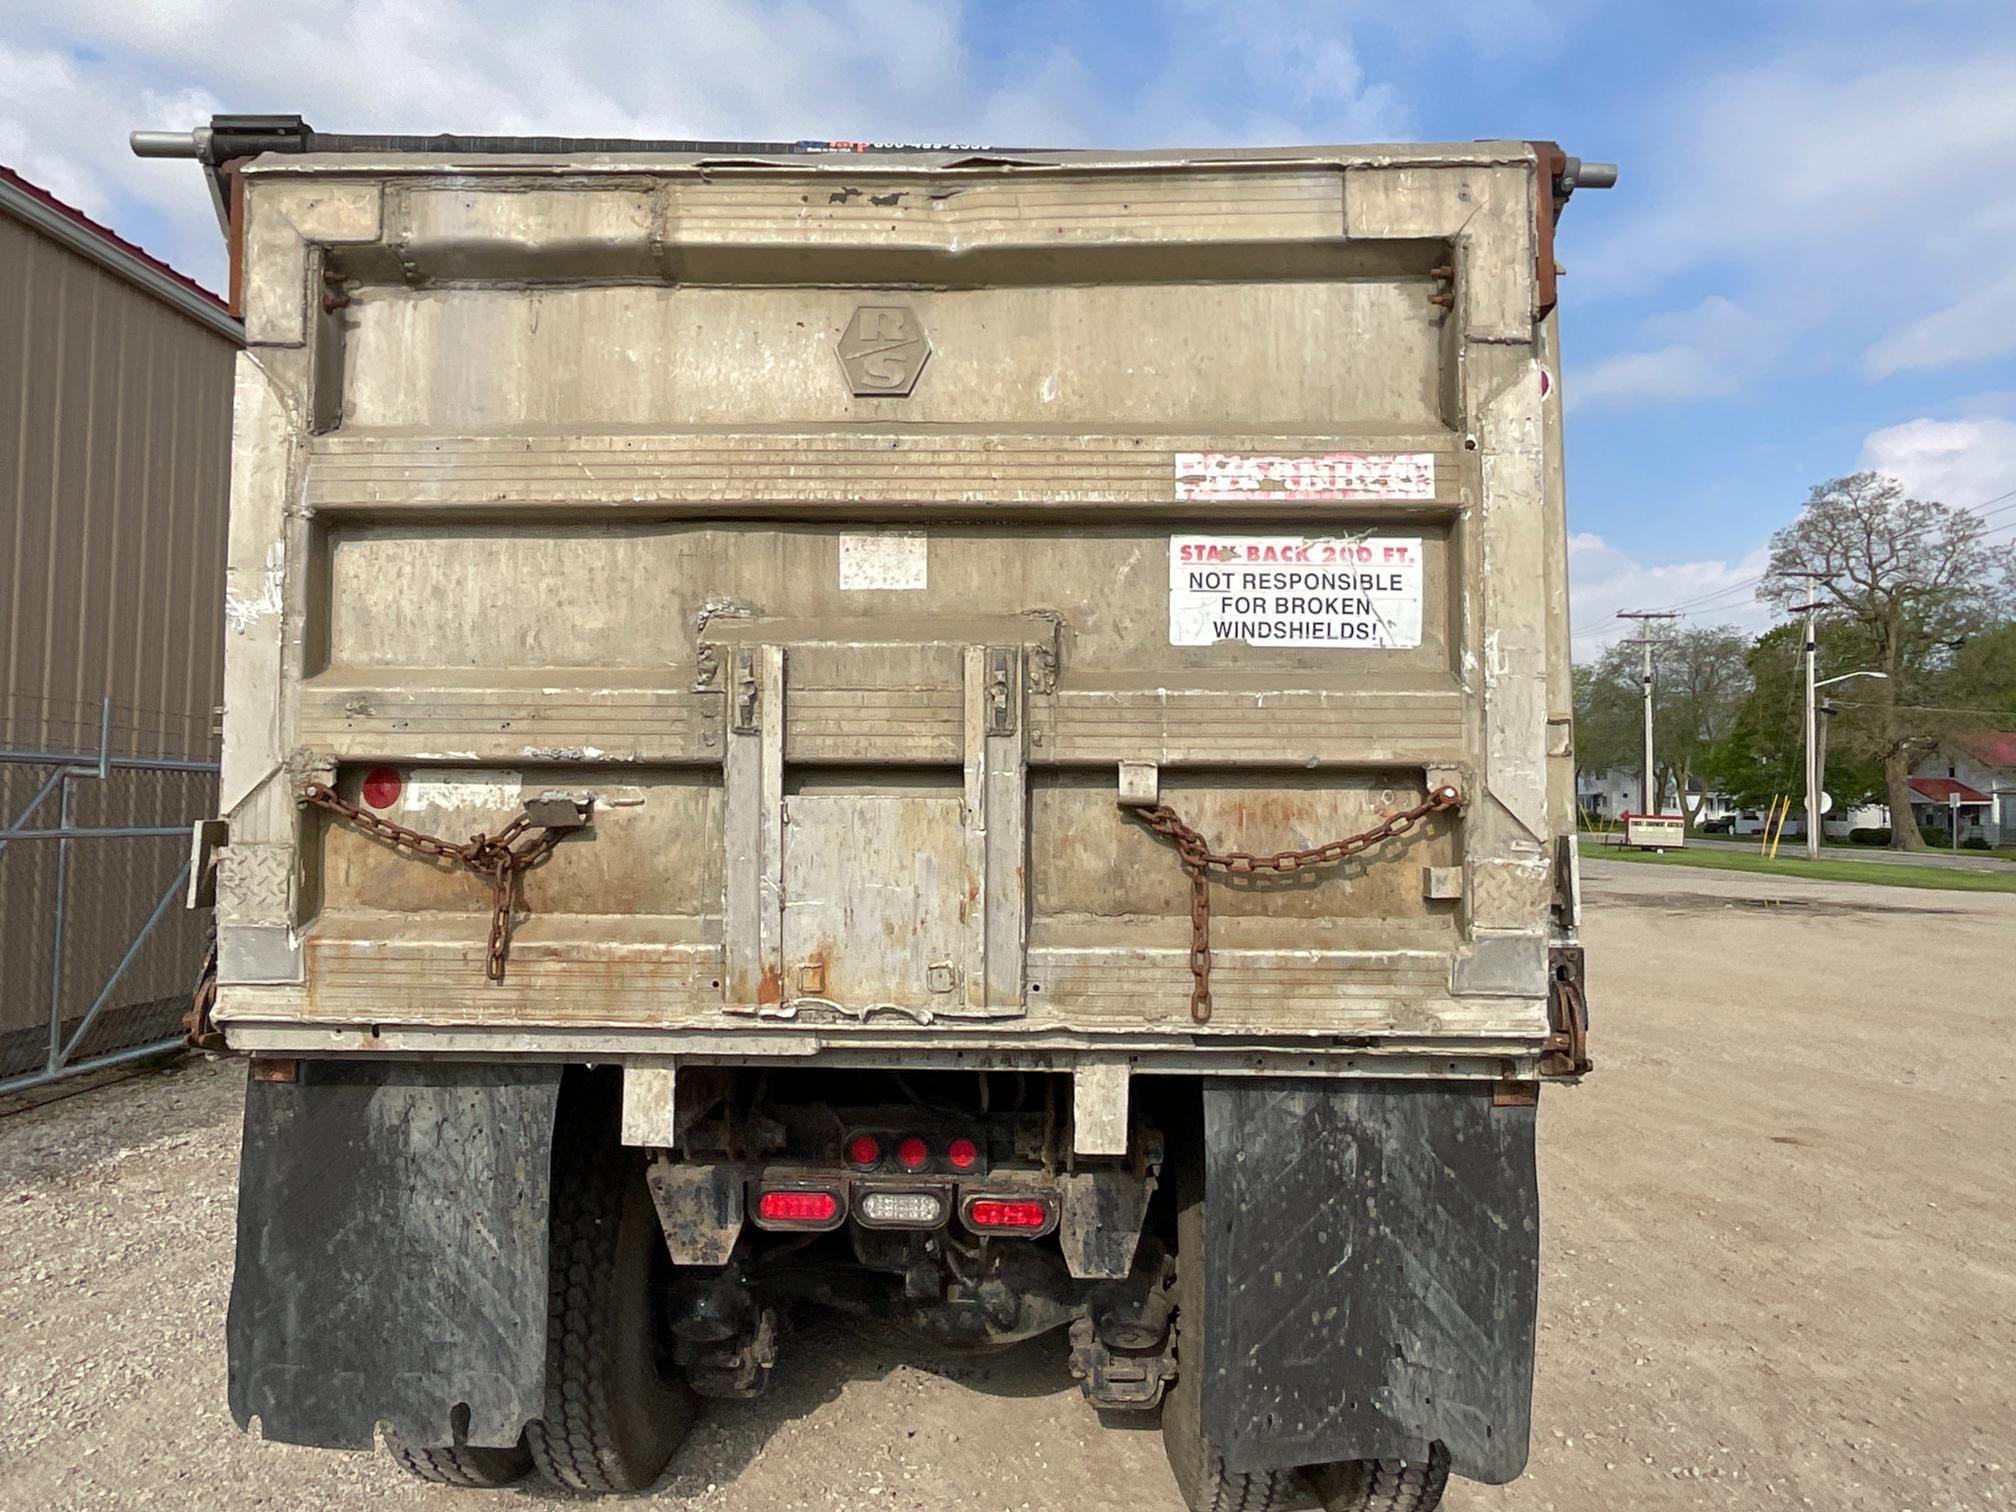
864, 1150
913, 1154
382, 787
995, 1213
797, 1207
962, 1154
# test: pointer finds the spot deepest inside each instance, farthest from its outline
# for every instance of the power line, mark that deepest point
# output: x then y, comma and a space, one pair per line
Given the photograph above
1863, 703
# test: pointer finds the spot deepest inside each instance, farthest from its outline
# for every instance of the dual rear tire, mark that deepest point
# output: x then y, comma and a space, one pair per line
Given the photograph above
617, 1405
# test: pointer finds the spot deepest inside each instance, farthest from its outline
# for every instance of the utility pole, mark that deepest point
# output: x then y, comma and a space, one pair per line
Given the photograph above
1815, 772
1650, 792
1813, 746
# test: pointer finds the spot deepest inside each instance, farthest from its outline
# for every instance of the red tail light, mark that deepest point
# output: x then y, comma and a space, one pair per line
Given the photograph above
913, 1154
864, 1150
1007, 1215
963, 1154
796, 1208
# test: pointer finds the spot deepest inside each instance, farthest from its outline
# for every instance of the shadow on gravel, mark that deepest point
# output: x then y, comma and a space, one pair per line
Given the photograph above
49, 1140
820, 1358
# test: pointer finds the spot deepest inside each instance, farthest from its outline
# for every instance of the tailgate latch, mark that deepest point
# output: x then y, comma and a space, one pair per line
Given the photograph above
1567, 1051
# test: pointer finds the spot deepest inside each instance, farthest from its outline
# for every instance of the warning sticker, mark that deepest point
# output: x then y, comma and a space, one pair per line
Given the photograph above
1330, 475
1334, 591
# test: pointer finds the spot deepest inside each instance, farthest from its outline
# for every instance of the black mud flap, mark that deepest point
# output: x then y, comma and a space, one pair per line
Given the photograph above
392, 1252
1371, 1273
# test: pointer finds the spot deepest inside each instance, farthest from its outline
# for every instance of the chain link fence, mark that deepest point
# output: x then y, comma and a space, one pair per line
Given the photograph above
98, 956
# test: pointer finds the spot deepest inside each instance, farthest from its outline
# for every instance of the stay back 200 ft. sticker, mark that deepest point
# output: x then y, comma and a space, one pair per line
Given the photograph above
1340, 592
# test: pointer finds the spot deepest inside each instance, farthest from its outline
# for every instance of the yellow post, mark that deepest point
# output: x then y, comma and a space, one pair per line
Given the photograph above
1783, 814
1764, 835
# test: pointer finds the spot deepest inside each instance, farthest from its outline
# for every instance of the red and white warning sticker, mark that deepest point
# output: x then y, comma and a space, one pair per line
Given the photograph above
1339, 592
1330, 475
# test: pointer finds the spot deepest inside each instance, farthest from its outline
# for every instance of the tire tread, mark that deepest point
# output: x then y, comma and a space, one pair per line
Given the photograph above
575, 1442
468, 1466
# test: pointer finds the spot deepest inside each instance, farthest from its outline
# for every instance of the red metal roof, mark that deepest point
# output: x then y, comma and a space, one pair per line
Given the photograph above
1940, 789
1992, 748
106, 234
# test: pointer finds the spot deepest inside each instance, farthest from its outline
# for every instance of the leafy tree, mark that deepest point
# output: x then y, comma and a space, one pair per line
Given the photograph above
1699, 679
1981, 679
1764, 756
1917, 578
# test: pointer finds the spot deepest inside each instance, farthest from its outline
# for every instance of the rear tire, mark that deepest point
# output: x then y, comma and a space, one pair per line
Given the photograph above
1383, 1485
616, 1404
1206, 1485
462, 1464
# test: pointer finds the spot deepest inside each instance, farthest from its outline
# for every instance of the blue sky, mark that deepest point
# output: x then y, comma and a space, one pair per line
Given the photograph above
1806, 268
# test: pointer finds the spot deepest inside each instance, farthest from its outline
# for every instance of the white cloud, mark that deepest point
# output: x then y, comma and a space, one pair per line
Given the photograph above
1710, 591
1844, 189
1974, 328
1822, 159
75, 78
1704, 353
1965, 461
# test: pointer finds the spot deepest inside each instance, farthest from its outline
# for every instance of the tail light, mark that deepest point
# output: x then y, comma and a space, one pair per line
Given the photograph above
864, 1151
963, 1154
799, 1208
913, 1154
1022, 1217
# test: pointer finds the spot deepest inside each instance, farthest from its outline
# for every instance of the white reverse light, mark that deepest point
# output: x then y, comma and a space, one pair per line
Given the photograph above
919, 1208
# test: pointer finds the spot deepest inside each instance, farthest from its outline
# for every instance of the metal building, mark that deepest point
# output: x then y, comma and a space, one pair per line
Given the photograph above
115, 429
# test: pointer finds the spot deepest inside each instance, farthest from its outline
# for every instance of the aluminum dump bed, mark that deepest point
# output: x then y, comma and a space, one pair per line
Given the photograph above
909, 590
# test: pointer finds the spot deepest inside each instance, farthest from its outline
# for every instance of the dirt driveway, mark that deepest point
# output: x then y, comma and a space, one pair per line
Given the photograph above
1780, 1229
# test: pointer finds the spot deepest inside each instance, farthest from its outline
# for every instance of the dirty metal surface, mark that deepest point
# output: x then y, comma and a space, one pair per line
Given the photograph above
1372, 1267
391, 1245
812, 521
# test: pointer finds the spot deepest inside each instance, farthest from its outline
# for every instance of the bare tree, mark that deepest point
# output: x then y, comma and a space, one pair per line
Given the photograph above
1916, 576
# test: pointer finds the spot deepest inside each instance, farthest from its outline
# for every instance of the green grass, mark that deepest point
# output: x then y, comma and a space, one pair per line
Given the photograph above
1939, 878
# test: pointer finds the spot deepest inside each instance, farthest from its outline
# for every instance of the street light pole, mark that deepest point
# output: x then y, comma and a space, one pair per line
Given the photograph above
1816, 749
1812, 749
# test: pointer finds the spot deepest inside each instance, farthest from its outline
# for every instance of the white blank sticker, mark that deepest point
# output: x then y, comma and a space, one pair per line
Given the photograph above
473, 789
882, 561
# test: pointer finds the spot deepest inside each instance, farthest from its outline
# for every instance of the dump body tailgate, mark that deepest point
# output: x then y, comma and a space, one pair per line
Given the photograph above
872, 547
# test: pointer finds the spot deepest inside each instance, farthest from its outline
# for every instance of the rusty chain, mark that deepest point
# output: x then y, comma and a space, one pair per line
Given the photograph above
497, 858
1197, 859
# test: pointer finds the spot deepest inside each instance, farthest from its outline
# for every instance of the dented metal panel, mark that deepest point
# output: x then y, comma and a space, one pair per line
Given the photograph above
838, 528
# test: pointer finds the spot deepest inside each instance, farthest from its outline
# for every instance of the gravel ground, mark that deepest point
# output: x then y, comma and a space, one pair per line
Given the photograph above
1779, 1264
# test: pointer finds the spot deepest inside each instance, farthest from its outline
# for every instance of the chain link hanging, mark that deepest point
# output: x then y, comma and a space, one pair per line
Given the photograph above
497, 858
1197, 859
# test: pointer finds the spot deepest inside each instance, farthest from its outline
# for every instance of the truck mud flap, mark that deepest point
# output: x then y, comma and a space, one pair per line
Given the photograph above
1371, 1273
392, 1252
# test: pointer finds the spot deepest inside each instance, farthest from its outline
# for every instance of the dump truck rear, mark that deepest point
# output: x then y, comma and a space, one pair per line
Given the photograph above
979, 738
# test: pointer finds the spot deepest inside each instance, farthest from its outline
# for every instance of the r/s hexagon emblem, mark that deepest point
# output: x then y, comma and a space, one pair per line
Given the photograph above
882, 351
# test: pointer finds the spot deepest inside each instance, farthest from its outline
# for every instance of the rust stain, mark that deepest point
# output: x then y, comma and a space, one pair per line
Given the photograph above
812, 976
771, 988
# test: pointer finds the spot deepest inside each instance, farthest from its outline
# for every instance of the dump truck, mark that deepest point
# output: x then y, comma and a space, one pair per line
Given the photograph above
975, 737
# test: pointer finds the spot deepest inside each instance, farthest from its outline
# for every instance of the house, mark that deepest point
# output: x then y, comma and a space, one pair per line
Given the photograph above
1606, 796
1972, 773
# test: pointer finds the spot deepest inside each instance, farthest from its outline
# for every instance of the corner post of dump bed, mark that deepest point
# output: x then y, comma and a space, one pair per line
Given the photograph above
265, 883
1496, 402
